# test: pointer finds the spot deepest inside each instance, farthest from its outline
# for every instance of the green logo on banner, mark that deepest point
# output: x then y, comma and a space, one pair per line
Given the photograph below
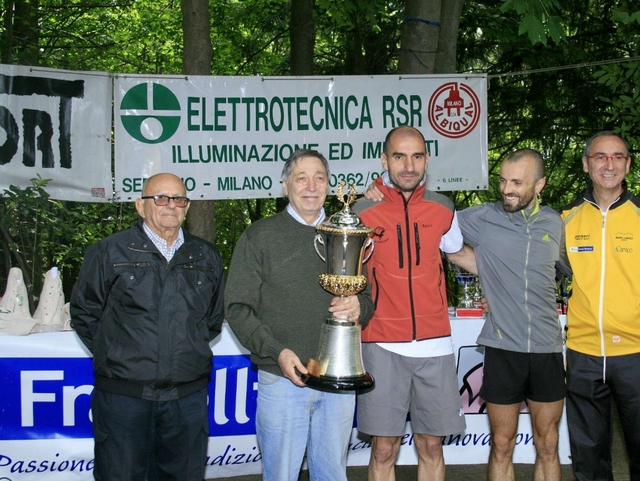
153, 123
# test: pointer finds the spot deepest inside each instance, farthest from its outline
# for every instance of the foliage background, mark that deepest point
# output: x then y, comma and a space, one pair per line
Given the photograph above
559, 71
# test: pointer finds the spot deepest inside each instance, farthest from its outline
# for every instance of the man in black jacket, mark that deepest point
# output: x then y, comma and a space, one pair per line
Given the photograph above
147, 303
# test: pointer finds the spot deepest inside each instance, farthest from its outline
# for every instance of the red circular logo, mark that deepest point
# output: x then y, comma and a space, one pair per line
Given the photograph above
454, 110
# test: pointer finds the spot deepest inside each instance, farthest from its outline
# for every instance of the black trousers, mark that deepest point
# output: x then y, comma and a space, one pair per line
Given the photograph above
141, 440
590, 393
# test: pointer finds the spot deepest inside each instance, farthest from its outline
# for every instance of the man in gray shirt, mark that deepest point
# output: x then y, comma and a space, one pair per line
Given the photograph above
518, 244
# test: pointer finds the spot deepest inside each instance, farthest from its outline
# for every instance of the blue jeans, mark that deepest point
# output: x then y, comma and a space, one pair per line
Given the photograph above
290, 420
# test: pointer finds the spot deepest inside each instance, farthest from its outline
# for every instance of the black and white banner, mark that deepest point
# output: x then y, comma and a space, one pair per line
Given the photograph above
57, 125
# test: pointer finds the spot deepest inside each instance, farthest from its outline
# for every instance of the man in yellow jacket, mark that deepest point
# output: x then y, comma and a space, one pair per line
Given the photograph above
603, 337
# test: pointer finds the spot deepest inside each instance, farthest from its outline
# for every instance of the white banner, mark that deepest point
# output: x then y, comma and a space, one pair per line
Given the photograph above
46, 432
227, 137
56, 124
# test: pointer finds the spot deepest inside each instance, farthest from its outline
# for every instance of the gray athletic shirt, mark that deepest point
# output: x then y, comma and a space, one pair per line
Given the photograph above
516, 254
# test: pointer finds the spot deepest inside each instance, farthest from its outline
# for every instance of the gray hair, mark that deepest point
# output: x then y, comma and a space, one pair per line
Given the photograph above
603, 133
298, 155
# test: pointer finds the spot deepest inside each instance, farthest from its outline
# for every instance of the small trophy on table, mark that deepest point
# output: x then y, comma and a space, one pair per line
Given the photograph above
467, 307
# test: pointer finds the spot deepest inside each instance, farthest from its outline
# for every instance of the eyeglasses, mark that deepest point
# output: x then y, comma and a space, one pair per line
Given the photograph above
162, 200
604, 158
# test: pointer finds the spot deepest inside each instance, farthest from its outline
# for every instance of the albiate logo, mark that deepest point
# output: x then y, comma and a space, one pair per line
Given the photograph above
454, 110
148, 113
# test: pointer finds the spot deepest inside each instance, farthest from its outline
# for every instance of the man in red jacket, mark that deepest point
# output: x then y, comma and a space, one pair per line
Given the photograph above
407, 344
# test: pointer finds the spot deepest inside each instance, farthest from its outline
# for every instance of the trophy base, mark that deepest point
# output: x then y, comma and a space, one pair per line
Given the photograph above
326, 383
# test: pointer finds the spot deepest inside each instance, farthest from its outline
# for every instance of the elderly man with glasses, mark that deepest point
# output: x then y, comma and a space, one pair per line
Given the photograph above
603, 321
147, 302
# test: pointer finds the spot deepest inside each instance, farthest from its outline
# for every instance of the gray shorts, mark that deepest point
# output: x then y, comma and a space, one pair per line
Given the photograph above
426, 388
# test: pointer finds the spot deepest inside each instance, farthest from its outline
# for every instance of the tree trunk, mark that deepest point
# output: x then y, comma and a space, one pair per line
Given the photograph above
302, 37
196, 60
446, 58
26, 32
7, 40
355, 60
420, 33
197, 53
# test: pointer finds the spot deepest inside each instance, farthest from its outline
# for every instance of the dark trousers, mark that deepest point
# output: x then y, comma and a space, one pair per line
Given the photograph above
140, 440
590, 411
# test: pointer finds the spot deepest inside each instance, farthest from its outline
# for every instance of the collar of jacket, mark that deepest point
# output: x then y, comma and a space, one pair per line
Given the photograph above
138, 240
529, 215
522, 216
394, 195
626, 195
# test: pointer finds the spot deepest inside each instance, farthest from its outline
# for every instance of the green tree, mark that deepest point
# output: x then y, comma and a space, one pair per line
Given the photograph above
620, 80
548, 95
37, 233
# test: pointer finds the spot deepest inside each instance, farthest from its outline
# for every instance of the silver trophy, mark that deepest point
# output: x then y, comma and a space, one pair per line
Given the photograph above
338, 365
477, 292
465, 279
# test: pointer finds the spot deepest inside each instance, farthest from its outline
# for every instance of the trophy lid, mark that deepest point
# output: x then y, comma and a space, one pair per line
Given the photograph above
345, 221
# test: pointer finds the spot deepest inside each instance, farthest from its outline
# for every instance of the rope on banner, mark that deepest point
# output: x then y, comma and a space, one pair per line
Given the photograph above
296, 78
565, 67
87, 73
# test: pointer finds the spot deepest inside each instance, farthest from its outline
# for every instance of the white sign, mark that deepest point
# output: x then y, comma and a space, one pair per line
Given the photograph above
46, 431
227, 137
56, 124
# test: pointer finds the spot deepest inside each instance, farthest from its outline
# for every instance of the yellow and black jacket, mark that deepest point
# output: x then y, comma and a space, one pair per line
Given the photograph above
604, 251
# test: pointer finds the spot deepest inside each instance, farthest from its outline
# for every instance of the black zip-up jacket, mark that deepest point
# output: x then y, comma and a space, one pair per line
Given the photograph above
148, 322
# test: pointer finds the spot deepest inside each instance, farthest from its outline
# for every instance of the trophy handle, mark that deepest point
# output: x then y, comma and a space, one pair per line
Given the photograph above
367, 244
318, 240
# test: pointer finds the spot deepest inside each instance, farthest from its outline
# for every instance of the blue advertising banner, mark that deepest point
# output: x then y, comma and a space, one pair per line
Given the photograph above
45, 417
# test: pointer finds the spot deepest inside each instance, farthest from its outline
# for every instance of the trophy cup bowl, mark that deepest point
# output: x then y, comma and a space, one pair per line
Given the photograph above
467, 307
338, 365
465, 279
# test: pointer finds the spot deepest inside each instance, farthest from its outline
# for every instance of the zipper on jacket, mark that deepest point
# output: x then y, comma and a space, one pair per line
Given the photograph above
526, 286
197, 268
144, 251
375, 283
416, 234
132, 264
156, 252
409, 264
603, 266
440, 283
400, 252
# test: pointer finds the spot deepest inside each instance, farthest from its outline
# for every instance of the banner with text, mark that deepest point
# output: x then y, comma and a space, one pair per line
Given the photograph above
46, 430
56, 124
227, 137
